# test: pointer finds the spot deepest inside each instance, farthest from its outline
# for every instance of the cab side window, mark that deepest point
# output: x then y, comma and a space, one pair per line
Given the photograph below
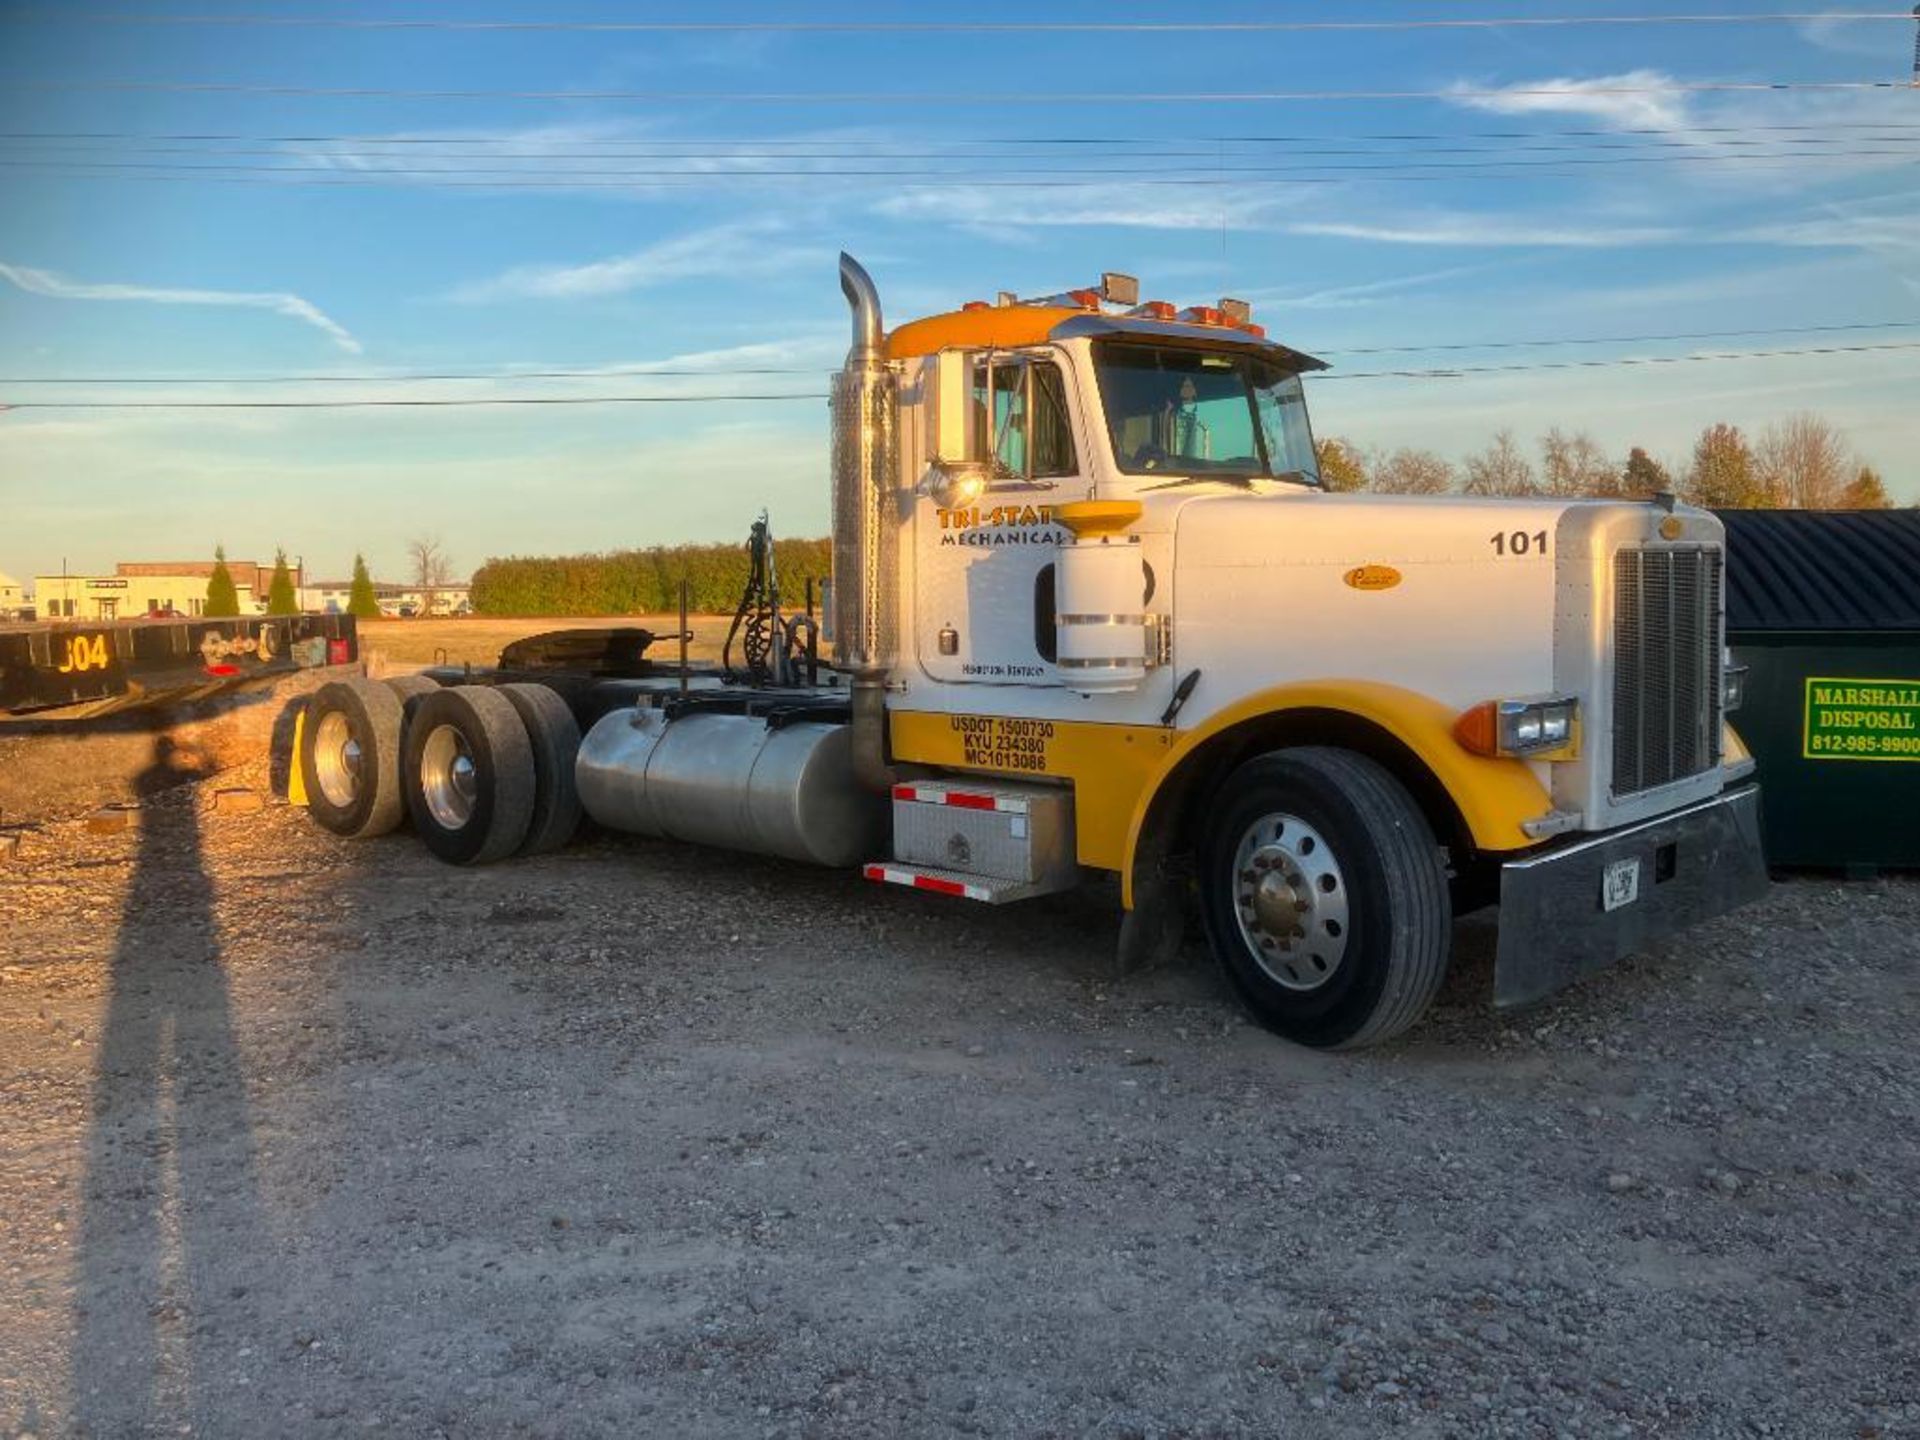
1020, 419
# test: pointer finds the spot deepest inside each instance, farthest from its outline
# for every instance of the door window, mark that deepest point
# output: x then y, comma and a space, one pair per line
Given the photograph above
1020, 419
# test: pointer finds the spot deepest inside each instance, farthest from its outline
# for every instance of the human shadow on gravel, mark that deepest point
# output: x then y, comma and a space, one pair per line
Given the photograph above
171, 1231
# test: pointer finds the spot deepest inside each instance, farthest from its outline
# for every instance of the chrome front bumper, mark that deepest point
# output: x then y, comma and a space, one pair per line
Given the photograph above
1693, 865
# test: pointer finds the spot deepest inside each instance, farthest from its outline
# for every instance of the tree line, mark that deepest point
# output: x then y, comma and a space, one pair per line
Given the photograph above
628, 582
1801, 462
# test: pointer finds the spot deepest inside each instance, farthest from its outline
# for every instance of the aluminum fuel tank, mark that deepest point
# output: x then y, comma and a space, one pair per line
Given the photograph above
733, 782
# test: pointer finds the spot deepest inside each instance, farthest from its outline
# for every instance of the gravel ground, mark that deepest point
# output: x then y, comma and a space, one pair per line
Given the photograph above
304, 1138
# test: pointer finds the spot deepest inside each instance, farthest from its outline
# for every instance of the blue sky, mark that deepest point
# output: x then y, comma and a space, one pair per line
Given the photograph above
112, 272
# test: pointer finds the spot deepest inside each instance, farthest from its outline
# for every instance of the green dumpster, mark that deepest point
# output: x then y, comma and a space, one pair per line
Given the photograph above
1823, 607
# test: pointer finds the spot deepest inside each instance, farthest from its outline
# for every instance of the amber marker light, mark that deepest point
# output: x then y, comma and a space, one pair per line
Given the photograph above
1476, 730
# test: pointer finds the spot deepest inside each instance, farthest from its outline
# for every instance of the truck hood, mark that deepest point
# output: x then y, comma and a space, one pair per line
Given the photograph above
1450, 597
1309, 528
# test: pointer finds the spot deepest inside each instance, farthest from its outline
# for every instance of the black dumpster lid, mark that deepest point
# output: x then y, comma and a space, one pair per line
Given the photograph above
1822, 569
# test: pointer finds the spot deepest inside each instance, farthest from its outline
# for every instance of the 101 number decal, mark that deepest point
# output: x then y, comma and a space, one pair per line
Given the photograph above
1519, 542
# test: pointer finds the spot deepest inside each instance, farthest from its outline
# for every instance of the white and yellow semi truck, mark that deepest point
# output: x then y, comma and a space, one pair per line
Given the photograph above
1092, 611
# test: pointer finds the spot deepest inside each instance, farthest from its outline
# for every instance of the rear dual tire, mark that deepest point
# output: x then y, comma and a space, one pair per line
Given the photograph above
482, 772
554, 737
466, 769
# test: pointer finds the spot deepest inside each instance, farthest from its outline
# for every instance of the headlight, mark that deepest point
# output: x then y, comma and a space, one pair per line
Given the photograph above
1733, 687
1521, 727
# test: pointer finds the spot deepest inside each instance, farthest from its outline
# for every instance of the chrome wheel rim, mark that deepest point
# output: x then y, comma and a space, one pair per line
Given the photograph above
1291, 901
336, 760
447, 777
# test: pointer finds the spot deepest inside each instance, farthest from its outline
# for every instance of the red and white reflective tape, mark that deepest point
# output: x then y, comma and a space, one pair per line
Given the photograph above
960, 799
887, 875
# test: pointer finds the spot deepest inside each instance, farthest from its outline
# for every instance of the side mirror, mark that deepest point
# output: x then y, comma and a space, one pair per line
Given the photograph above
952, 437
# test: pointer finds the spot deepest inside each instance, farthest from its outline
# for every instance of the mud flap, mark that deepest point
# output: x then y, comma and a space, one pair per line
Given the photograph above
1152, 932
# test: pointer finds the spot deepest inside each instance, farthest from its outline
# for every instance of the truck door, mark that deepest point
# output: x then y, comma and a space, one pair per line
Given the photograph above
980, 569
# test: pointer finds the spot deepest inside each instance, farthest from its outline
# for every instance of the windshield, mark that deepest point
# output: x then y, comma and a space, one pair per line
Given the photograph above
1177, 411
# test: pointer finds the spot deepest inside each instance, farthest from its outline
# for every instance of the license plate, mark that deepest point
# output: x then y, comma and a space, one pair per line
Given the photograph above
1620, 884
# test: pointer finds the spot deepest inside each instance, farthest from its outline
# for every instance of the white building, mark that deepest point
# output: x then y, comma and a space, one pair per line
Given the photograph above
129, 597
12, 598
145, 587
331, 597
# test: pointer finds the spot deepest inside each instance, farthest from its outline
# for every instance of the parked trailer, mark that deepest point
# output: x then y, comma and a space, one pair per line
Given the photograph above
1092, 611
69, 671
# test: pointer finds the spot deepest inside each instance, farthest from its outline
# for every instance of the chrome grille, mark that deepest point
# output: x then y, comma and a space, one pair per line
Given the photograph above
1666, 666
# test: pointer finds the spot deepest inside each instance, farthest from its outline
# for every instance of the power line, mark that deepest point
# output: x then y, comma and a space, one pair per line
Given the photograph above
1132, 174
608, 372
1048, 97
413, 376
1211, 177
362, 138
436, 404
1731, 147
1627, 339
554, 400
933, 27
1455, 372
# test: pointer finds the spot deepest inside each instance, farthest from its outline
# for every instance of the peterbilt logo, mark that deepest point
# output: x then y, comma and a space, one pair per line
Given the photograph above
1372, 577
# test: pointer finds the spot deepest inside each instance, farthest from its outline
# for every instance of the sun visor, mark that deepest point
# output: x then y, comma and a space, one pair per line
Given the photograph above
1218, 337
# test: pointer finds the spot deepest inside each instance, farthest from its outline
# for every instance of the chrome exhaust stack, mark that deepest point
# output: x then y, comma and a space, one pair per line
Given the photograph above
865, 524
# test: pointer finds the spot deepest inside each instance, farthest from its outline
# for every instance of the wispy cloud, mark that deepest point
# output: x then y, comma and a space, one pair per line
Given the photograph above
1490, 231
1843, 227
1350, 297
997, 210
1847, 37
821, 347
280, 302
1598, 98
751, 247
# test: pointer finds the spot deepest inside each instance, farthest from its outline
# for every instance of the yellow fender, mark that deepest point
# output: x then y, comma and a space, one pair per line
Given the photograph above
1494, 796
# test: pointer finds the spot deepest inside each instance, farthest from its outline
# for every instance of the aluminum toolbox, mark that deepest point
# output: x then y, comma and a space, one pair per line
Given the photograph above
996, 829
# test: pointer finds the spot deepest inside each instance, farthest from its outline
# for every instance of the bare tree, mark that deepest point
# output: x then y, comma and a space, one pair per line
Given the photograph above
1412, 472
1805, 463
1576, 465
432, 568
1500, 469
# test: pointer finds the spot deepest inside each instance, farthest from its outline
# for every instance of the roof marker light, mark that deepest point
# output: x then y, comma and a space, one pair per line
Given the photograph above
1153, 310
1202, 315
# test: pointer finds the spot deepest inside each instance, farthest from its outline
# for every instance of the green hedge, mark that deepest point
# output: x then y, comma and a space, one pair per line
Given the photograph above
634, 582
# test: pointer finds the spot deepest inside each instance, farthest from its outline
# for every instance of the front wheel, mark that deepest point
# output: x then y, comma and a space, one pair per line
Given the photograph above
1324, 897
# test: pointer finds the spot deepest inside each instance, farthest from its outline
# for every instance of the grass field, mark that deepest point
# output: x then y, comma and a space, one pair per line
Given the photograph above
478, 640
